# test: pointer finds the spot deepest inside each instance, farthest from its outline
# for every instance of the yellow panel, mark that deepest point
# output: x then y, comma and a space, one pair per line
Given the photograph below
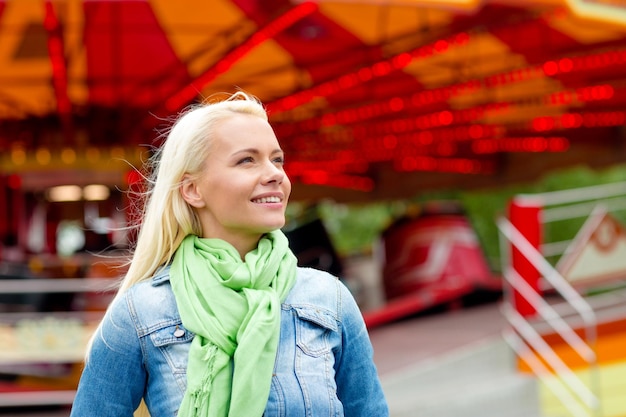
267, 71
198, 29
34, 96
612, 378
606, 11
483, 55
524, 90
456, 5
583, 30
374, 24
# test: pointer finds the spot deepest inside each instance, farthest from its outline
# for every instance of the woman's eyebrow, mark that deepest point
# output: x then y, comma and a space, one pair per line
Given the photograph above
256, 151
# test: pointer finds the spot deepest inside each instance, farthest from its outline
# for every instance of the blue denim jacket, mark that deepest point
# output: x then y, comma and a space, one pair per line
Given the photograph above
324, 364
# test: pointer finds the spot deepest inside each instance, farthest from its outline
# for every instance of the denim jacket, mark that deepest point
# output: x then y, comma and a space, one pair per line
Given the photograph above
324, 364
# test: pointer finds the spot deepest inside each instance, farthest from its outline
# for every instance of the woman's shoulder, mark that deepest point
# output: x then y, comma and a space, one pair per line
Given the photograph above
152, 302
317, 288
306, 275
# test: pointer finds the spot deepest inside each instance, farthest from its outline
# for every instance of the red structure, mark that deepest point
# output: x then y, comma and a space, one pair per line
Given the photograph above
363, 95
524, 216
431, 260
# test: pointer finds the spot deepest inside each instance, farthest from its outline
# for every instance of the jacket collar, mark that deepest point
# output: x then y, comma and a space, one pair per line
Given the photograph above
162, 275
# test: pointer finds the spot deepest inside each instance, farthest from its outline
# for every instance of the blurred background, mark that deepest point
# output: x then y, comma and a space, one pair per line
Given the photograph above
460, 165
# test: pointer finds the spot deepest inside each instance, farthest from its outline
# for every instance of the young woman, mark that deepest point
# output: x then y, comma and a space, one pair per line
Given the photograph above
214, 317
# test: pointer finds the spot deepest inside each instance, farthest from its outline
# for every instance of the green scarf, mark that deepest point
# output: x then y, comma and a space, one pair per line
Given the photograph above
233, 307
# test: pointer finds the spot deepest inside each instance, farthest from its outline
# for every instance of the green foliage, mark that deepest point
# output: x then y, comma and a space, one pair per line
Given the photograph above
354, 229
482, 209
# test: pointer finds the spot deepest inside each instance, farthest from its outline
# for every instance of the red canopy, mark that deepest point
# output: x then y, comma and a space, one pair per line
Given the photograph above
369, 99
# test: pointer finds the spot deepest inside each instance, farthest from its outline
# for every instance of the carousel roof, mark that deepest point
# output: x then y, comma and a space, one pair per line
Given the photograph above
370, 99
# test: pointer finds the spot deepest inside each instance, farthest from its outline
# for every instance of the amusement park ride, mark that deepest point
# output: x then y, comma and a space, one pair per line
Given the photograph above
371, 100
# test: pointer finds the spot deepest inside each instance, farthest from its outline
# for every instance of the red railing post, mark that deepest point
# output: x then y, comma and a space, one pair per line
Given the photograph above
524, 216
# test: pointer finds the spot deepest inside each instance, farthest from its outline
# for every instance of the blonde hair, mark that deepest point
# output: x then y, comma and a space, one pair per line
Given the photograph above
166, 217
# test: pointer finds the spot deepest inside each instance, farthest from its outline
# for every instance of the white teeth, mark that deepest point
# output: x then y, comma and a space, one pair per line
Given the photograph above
267, 200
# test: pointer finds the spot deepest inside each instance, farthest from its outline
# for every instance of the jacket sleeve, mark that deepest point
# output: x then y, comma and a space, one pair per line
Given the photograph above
113, 379
358, 384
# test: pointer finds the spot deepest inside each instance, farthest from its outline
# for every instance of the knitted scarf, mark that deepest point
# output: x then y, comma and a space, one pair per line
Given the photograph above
233, 307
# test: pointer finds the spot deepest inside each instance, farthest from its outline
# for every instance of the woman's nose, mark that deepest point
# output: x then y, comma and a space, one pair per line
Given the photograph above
274, 173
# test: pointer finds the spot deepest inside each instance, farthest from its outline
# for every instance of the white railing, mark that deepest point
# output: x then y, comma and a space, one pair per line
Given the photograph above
580, 399
577, 397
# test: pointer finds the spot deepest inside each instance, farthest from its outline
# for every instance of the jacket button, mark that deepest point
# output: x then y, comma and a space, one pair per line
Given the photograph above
179, 332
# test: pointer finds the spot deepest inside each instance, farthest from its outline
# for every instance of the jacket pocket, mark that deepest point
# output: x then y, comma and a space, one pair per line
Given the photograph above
313, 328
174, 342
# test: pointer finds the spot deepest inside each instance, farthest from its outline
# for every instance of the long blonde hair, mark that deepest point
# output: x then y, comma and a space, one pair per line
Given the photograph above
167, 218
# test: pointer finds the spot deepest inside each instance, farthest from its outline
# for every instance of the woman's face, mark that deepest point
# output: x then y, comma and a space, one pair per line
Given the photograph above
242, 191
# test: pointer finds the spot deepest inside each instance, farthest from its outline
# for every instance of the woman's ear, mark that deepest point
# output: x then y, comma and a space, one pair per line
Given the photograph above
190, 193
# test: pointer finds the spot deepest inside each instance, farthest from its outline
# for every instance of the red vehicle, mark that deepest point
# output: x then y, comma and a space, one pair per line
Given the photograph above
431, 259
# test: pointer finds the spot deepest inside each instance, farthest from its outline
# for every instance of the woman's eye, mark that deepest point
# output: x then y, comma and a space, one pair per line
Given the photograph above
245, 160
279, 160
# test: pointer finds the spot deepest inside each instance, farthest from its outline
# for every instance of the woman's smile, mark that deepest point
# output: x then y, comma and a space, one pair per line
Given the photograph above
245, 166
